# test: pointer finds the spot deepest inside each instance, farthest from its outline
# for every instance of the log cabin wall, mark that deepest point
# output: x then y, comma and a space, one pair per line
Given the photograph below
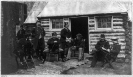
46, 23
117, 30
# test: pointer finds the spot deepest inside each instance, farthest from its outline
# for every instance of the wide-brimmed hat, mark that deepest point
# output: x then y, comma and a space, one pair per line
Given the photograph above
114, 39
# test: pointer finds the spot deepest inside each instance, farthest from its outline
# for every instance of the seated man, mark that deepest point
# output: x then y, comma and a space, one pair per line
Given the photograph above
78, 44
53, 44
102, 48
115, 48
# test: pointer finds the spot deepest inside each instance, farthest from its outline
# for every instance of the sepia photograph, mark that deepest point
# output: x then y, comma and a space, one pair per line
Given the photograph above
66, 37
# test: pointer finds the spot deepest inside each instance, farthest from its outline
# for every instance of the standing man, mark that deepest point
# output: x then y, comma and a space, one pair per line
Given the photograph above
21, 33
65, 39
39, 43
102, 47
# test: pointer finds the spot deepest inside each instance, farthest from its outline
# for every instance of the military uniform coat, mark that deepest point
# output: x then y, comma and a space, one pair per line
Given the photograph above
100, 52
53, 46
21, 34
39, 31
65, 33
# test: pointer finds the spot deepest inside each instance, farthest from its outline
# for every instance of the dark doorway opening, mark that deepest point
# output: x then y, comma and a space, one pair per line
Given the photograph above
80, 25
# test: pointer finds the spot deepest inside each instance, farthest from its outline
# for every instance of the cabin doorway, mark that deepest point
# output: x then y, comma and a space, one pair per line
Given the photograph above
80, 25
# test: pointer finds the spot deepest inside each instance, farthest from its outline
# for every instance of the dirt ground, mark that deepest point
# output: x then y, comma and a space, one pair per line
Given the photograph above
119, 69
75, 67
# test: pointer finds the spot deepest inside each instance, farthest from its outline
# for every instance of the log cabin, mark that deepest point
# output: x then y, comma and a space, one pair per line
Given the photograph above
88, 17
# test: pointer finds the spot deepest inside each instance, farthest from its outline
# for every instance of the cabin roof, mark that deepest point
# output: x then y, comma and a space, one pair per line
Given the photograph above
35, 11
54, 8
81, 7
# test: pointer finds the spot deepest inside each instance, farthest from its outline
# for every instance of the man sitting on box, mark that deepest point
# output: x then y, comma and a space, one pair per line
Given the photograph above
78, 45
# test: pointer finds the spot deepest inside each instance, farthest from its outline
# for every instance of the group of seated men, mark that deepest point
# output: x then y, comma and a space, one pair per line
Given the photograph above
55, 45
65, 44
105, 52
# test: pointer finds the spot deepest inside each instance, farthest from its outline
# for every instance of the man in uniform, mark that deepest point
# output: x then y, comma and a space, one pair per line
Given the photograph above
102, 48
65, 39
115, 48
78, 45
21, 33
39, 43
53, 43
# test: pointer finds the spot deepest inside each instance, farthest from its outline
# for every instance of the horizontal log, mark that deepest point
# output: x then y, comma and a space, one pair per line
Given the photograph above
109, 36
91, 28
117, 22
92, 25
118, 27
106, 34
50, 32
121, 56
110, 43
117, 18
107, 31
45, 28
91, 19
45, 25
109, 40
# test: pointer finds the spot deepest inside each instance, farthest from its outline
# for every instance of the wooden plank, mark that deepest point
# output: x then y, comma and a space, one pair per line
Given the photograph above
117, 22
114, 17
117, 27
120, 30
122, 44
50, 32
45, 25
117, 19
91, 28
110, 41
121, 56
106, 31
91, 25
91, 19
107, 34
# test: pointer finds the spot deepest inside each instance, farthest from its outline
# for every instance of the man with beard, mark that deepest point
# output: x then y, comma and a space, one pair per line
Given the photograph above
78, 45
65, 40
21, 33
39, 43
102, 48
